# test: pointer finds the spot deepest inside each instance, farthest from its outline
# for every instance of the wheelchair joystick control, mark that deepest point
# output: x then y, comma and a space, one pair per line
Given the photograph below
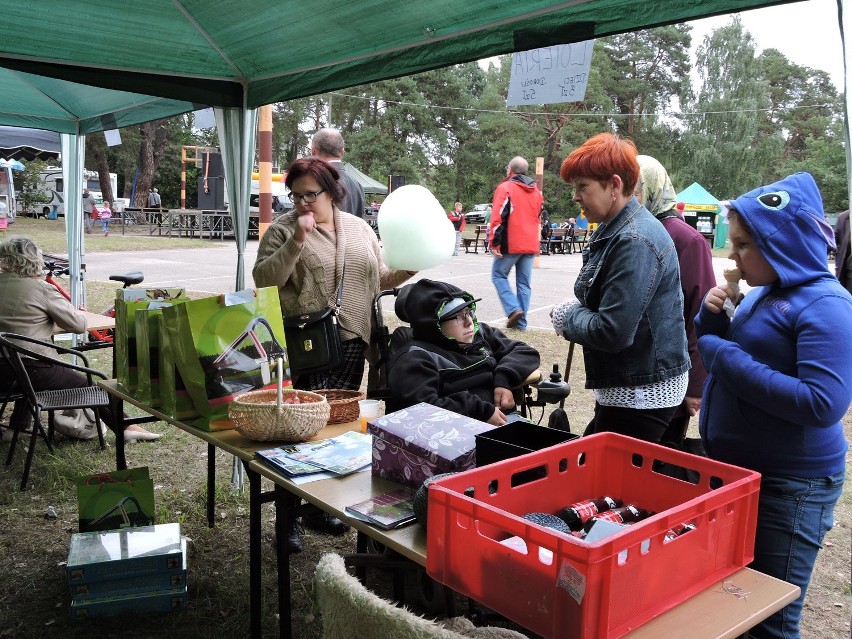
554, 389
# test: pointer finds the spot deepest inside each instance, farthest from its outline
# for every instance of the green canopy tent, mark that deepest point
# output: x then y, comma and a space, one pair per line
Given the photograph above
74, 110
367, 183
700, 210
237, 56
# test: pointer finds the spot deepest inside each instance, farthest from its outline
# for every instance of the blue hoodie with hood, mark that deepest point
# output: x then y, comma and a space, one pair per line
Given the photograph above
780, 371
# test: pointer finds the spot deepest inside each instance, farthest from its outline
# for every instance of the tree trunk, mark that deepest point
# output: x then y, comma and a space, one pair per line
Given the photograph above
102, 167
154, 136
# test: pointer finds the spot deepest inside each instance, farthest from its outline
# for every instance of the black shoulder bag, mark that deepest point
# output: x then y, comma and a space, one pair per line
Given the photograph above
313, 339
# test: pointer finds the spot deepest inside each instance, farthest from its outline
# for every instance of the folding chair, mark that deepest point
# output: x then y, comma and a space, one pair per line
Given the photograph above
14, 348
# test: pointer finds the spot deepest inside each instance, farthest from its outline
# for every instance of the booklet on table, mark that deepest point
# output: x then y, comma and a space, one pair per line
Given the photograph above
387, 511
340, 455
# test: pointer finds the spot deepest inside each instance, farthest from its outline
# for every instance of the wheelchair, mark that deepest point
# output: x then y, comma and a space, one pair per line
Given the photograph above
534, 395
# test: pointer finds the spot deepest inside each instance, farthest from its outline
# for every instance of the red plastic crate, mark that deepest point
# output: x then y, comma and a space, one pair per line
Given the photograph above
585, 590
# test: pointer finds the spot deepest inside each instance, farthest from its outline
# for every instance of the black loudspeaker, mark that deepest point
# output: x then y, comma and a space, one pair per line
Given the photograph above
211, 165
213, 198
395, 181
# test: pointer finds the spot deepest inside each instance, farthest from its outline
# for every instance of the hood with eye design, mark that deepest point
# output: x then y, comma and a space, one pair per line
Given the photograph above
789, 227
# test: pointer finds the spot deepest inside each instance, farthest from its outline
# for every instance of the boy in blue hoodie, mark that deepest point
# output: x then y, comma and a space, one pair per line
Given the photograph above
780, 378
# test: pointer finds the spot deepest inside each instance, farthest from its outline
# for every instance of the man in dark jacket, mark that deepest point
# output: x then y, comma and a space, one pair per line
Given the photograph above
454, 361
327, 144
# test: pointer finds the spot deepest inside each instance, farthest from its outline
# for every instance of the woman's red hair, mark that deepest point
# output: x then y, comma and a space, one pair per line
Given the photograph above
601, 157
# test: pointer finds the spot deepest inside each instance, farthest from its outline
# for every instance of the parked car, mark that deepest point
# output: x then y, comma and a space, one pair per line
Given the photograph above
280, 203
477, 214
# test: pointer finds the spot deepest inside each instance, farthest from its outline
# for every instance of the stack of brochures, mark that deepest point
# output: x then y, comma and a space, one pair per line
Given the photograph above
340, 455
129, 570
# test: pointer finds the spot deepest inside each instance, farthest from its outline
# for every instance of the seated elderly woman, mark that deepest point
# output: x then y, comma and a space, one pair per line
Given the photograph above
30, 306
455, 361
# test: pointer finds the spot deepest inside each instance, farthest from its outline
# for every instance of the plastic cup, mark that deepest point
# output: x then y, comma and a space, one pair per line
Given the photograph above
367, 410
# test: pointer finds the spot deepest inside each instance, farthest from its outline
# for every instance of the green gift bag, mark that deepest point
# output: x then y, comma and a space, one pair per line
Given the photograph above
223, 346
174, 398
120, 499
127, 302
148, 351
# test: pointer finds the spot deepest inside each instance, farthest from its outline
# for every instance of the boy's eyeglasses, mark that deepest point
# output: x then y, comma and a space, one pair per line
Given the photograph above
462, 318
308, 198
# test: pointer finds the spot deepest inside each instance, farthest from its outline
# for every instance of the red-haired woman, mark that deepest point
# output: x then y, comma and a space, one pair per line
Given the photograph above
628, 315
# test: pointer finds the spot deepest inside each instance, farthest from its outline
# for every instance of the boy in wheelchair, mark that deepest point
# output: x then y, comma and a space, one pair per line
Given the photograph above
453, 360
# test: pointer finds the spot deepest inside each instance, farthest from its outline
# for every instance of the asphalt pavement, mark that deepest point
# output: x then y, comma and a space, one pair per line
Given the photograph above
213, 270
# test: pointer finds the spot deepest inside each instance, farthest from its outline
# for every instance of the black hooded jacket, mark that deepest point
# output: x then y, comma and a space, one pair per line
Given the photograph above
439, 370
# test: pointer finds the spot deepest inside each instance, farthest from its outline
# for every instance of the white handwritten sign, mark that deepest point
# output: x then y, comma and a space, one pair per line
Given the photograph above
550, 75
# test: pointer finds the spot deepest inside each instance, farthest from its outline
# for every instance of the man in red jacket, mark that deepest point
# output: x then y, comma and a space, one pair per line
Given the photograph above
515, 239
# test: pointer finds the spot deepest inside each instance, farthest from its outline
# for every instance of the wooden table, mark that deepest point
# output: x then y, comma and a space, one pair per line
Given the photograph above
725, 610
98, 322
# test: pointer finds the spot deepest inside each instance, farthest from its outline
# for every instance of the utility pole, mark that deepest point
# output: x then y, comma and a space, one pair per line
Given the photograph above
264, 167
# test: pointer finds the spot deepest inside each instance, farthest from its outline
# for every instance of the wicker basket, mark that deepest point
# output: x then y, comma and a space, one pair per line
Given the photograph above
344, 404
256, 415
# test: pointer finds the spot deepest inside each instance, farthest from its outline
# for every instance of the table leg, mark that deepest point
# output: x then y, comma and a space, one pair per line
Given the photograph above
254, 553
116, 405
283, 515
361, 548
211, 485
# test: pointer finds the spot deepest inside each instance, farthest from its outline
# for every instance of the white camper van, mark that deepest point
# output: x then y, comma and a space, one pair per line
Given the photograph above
7, 192
51, 185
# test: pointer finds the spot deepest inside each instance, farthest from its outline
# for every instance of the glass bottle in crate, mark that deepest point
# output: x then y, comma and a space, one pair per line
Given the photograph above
578, 514
625, 515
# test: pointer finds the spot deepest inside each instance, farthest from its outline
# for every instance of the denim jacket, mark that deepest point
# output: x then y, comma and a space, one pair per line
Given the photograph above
630, 317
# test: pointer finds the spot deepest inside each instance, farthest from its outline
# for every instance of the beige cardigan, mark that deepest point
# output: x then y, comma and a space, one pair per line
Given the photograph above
307, 277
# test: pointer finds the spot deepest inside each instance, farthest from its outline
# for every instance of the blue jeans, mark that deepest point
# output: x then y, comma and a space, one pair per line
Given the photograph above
793, 516
523, 263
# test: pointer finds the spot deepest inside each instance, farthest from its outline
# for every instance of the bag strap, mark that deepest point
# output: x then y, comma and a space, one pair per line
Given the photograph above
340, 289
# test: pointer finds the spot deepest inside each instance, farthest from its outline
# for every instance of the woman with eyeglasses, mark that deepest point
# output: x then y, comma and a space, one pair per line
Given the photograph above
455, 361
303, 253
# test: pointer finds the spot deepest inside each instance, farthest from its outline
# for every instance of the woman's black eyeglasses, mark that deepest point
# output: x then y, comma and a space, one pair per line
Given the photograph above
308, 198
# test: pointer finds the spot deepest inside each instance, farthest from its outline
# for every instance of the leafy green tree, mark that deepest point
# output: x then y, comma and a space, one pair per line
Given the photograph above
826, 161
730, 143
804, 102
648, 69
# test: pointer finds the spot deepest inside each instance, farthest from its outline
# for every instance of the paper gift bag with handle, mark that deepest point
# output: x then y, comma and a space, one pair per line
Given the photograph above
148, 351
223, 346
119, 499
174, 398
127, 302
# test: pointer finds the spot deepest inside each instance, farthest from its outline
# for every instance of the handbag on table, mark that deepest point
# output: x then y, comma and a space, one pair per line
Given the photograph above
313, 339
